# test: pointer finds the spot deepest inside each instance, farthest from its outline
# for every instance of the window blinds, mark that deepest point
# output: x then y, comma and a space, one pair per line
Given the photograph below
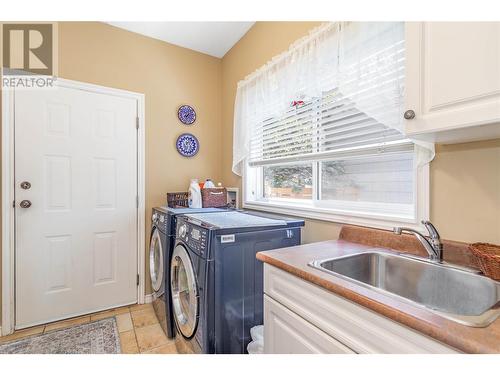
355, 117
323, 129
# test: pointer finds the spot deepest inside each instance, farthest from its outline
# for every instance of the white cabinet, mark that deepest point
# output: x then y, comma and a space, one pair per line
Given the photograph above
287, 333
453, 80
301, 317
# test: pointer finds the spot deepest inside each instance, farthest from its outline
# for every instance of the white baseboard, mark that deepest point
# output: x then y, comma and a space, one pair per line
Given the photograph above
148, 298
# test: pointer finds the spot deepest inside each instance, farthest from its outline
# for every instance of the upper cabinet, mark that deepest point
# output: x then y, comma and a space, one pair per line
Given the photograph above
453, 80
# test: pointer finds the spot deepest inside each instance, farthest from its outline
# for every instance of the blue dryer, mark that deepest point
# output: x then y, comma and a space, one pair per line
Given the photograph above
163, 226
216, 281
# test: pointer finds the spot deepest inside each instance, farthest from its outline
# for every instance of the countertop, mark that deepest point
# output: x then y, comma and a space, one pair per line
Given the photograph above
295, 261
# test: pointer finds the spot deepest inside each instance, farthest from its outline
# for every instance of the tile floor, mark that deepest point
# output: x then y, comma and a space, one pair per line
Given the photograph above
138, 327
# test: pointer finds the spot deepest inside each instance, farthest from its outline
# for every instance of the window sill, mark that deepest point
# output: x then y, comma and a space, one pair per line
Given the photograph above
334, 216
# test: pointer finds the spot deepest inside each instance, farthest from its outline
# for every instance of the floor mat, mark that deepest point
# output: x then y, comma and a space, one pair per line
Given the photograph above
99, 337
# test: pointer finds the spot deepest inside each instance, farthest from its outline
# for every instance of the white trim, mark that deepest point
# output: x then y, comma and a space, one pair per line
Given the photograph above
422, 204
85, 86
148, 298
237, 194
354, 218
141, 191
8, 211
331, 216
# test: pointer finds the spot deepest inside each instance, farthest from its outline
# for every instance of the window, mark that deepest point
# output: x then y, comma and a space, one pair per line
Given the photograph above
339, 154
288, 181
328, 154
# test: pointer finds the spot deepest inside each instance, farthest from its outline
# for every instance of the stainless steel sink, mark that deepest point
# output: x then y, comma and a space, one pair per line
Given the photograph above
455, 293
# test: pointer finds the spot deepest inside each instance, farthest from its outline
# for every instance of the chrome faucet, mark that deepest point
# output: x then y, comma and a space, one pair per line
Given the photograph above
432, 244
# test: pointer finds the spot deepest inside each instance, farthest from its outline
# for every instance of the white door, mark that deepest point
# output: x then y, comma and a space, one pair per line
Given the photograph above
76, 245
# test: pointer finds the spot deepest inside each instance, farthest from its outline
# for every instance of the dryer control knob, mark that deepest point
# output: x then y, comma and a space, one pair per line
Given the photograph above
154, 218
182, 230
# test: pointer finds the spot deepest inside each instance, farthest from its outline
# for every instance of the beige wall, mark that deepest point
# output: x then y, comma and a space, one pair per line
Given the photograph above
465, 178
465, 191
168, 76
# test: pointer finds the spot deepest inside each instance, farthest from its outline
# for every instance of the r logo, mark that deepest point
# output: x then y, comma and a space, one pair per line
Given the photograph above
28, 49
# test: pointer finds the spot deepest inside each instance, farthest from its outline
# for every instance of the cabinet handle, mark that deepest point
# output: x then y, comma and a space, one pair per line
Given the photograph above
409, 114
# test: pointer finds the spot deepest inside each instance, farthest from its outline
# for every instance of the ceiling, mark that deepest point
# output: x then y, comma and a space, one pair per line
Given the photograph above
212, 38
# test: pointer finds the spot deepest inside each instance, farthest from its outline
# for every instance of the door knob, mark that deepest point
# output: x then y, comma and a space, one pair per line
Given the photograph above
409, 114
25, 204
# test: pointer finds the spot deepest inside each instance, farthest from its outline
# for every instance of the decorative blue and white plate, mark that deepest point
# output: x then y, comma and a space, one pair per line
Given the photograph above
187, 145
186, 114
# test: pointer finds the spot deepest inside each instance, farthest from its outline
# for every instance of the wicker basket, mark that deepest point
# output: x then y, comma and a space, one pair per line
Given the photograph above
176, 200
214, 197
488, 258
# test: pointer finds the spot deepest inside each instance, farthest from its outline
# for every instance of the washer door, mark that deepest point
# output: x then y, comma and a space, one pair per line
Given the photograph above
156, 260
184, 289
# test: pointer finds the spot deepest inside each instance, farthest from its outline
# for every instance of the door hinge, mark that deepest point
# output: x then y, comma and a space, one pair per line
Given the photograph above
137, 122
14, 204
137, 201
137, 279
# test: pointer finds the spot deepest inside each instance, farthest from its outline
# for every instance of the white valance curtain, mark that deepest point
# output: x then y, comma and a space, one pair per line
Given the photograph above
361, 62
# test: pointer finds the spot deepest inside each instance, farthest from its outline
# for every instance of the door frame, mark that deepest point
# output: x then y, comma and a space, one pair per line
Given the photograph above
8, 196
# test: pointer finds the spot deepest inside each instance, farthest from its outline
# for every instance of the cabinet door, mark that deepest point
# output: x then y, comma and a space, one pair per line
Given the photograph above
353, 325
452, 75
287, 333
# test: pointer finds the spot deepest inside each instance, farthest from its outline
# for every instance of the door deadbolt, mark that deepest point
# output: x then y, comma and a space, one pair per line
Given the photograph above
25, 204
25, 185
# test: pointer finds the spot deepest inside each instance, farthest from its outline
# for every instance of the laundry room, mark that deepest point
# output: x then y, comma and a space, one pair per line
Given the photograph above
269, 183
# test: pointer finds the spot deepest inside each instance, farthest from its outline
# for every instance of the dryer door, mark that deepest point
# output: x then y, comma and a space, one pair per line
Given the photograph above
184, 289
156, 260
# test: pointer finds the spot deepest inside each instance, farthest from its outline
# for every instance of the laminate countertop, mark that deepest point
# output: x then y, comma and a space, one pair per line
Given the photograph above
295, 261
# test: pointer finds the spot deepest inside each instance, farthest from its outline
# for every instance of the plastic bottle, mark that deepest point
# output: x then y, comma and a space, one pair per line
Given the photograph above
194, 194
208, 184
